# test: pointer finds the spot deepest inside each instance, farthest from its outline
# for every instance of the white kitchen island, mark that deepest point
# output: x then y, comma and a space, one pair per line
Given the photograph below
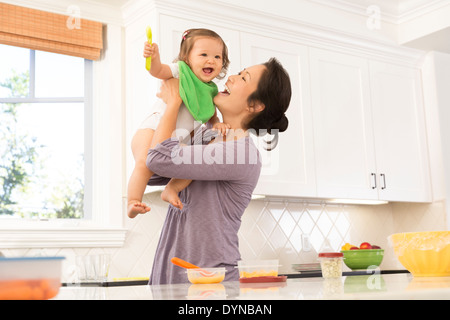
358, 287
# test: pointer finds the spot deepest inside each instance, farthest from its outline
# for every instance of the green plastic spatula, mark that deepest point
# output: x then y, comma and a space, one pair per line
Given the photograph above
148, 61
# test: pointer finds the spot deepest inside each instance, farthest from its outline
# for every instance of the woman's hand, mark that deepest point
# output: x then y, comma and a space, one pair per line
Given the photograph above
170, 92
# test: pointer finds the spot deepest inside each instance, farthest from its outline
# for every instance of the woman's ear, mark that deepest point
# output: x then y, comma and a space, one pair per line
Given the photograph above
257, 107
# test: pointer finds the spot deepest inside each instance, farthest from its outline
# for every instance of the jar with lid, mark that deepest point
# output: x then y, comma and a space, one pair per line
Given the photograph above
331, 264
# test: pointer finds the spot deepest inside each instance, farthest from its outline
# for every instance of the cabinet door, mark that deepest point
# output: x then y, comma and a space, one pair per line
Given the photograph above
343, 133
288, 170
400, 138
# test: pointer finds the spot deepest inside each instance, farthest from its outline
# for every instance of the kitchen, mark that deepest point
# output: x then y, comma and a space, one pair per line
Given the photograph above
384, 63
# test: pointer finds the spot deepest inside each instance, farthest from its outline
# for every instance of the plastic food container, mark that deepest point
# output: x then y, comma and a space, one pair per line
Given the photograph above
258, 268
30, 278
206, 275
331, 264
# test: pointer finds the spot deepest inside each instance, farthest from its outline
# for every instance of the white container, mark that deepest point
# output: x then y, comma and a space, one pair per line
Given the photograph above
331, 264
30, 278
258, 268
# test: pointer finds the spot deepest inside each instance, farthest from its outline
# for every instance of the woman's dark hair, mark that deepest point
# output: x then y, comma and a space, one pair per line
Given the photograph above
274, 91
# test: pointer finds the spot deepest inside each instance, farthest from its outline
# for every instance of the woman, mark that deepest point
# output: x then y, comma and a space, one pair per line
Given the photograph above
224, 171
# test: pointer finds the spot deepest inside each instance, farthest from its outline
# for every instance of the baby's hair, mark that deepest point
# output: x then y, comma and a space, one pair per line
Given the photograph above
188, 40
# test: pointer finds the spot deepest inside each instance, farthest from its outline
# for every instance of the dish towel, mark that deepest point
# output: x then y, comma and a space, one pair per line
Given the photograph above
196, 94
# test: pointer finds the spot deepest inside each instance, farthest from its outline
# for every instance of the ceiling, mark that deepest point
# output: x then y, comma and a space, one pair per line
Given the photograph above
394, 11
115, 3
403, 11
396, 8
392, 6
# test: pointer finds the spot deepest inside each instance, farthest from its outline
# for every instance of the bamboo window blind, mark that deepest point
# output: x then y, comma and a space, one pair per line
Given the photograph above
45, 31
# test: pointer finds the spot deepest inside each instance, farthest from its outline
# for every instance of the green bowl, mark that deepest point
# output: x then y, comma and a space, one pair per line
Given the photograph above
363, 258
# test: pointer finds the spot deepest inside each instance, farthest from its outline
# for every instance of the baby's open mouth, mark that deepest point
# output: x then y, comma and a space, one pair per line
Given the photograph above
208, 70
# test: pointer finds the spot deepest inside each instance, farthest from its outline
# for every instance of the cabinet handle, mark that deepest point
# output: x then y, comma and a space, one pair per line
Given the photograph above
384, 181
374, 186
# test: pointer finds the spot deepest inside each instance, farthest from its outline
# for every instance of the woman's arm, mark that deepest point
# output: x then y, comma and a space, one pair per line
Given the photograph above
231, 161
171, 96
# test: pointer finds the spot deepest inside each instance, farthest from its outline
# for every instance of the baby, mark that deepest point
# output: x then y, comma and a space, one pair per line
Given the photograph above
203, 57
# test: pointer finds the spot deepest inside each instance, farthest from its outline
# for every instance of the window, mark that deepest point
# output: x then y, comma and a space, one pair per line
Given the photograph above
78, 135
46, 116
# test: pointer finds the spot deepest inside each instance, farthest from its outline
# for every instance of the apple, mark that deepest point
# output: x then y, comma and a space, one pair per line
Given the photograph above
354, 248
365, 245
376, 247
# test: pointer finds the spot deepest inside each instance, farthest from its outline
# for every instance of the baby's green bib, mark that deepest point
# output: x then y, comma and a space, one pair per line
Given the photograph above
197, 95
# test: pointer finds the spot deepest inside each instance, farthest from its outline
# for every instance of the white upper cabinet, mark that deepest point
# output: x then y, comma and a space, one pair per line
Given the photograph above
400, 135
342, 121
288, 170
369, 129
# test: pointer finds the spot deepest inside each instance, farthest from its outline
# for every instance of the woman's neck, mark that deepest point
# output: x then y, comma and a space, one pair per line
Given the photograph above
235, 132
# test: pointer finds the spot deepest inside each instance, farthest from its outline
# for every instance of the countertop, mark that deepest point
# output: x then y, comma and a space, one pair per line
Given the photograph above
355, 287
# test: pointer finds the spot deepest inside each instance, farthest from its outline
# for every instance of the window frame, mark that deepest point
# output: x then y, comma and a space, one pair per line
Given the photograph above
103, 224
87, 102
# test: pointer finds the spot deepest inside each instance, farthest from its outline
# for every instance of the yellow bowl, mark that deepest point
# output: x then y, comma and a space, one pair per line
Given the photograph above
424, 254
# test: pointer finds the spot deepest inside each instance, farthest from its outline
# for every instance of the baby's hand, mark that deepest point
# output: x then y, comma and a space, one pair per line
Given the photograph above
150, 50
222, 128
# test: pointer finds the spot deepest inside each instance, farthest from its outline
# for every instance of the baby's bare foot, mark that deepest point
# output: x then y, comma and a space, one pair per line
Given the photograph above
171, 196
136, 207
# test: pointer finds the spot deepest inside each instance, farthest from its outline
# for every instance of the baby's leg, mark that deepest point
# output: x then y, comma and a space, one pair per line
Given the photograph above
186, 125
141, 174
170, 193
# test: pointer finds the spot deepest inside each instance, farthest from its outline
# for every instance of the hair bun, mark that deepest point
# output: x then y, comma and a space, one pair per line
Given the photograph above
281, 125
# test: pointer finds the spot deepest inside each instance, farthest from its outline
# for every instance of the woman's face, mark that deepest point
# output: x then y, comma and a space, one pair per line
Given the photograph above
233, 100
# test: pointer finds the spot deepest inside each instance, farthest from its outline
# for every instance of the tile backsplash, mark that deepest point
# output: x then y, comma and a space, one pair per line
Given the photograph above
290, 230
295, 231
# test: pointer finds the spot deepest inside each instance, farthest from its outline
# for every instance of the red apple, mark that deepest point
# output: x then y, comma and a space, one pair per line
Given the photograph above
365, 245
354, 248
375, 247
